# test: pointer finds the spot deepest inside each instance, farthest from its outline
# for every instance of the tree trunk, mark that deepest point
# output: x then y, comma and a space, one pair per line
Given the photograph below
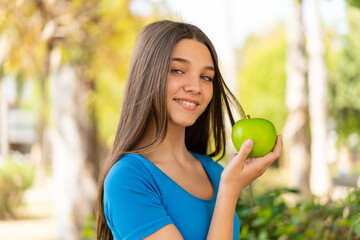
320, 182
39, 148
74, 183
296, 128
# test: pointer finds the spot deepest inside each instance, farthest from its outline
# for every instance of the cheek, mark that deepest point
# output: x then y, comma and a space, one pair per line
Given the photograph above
172, 86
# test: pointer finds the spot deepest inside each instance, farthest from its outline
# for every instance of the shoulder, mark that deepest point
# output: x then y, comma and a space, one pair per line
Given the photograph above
132, 200
129, 169
127, 164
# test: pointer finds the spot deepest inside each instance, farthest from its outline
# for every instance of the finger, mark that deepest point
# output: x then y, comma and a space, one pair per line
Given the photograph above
278, 147
276, 153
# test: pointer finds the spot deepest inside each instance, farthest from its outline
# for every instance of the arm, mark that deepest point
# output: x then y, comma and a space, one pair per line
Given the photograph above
238, 174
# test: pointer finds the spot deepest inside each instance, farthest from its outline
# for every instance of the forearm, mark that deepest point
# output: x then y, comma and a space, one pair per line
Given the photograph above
222, 223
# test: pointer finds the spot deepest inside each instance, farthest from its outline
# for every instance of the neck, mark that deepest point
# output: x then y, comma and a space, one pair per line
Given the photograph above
174, 142
172, 148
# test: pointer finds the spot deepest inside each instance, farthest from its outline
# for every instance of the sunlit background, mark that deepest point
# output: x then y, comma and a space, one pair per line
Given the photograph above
63, 66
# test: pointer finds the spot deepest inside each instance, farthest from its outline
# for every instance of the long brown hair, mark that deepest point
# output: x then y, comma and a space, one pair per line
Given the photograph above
144, 101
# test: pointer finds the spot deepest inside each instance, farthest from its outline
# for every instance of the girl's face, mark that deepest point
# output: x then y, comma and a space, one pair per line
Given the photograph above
189, 84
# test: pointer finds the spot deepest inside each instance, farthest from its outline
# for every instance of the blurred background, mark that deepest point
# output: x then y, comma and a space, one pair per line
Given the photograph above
63, 65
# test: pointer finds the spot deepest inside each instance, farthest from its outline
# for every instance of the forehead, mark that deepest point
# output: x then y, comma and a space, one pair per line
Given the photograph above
193, 51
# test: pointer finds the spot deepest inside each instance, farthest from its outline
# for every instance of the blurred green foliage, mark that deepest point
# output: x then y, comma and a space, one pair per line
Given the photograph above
354, 3
15, 178
95, 37
262, 77
272, 218
116, 32
343, 59
89, 228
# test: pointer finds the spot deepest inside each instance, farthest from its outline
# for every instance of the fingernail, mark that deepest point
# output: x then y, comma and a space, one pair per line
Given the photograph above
249, 142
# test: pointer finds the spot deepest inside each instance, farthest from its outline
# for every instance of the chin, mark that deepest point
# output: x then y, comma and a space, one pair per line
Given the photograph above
184, 122
187, 123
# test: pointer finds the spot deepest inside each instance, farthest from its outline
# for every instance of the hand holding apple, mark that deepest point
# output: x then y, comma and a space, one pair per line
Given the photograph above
260, 130
240, 173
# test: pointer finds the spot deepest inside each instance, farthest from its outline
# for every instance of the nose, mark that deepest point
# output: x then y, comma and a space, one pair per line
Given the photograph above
193, 85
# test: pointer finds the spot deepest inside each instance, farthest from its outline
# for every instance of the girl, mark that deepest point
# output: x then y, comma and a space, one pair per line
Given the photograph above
160, 181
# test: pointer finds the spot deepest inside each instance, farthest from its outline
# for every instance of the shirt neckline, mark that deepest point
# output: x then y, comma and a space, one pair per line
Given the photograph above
176, 184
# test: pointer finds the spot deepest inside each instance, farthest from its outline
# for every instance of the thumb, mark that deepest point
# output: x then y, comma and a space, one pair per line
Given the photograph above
244, 151
246, 148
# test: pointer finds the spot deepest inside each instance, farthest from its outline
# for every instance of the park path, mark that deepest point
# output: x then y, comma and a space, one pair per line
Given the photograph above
36, 220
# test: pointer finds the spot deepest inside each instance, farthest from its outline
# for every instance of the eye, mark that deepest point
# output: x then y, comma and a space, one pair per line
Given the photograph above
176, 71
206, 78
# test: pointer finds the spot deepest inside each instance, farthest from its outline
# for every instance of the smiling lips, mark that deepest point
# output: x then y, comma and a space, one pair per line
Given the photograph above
188, 104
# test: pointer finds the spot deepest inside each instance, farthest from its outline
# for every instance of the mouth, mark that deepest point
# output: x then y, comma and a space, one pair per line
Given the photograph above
187, 103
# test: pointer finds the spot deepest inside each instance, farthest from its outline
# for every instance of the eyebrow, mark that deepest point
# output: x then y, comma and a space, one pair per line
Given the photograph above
182, 60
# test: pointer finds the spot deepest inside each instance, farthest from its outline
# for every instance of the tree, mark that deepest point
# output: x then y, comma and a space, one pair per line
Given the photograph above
320, 182
78, 52
297, 128
21, 57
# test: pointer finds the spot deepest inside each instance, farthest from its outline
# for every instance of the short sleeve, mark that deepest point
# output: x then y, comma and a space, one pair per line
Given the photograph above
132, 201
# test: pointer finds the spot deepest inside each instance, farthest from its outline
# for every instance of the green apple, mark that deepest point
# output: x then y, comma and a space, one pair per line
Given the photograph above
260, 130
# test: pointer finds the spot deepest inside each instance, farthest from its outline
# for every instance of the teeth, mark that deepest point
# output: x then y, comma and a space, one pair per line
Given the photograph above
190, 104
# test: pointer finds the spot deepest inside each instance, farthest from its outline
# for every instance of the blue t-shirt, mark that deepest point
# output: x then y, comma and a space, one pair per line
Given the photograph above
139, 199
